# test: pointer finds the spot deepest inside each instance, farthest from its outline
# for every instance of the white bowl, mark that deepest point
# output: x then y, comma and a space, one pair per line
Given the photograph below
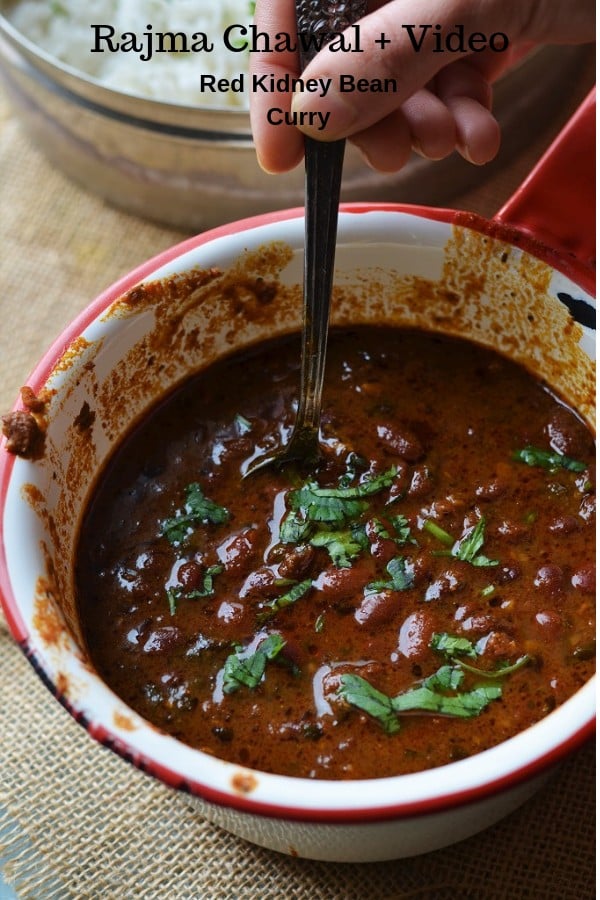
511, 305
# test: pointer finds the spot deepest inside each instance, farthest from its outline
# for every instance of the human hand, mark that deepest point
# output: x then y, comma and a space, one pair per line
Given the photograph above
442, 101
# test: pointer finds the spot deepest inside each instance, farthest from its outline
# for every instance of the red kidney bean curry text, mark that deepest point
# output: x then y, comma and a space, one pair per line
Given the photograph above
425, 593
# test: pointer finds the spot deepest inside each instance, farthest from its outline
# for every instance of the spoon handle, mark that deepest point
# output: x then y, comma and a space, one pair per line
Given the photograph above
317, 22
323, 167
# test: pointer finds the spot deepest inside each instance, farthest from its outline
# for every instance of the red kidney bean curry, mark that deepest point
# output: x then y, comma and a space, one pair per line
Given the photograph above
424, 593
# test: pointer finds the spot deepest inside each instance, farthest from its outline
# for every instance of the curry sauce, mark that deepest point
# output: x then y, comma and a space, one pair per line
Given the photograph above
424, 593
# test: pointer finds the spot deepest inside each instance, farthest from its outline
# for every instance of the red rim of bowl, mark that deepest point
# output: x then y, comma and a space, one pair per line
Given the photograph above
164, 773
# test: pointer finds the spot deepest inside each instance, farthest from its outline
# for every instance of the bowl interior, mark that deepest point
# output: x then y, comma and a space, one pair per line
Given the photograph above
221, 292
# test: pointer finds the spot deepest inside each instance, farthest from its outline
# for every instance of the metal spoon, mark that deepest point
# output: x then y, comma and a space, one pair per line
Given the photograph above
323, 163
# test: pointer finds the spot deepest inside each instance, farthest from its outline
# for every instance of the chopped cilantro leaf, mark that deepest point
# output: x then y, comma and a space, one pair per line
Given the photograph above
338, 505
468, 547
547, 459
342, 546
501, 671
438, 532
462, 705
247, 671
294, 529
447, 678
402, 529
197, 510
174, 595
430, 696
326, 504
297, 591
378, 529
401, 577
359, 693
452, 645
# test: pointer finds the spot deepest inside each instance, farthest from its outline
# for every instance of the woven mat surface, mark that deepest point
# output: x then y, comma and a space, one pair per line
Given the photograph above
78, 822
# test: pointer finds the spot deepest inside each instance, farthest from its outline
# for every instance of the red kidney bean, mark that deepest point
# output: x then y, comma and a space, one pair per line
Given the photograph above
401, 441
260, 583
297, 562
510, 530
446, 583
190, 575
500, 646
478, 624
383, 550
550, 621
421, 566
584, 579
377, 608
421, 482
343, 584
490, 490
229, 612
587, 508
236, 552
563, 525
415, 635
550, 579
508, 573
163, 639
564, 437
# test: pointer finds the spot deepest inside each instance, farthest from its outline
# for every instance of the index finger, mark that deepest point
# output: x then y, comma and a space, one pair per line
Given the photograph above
280, 147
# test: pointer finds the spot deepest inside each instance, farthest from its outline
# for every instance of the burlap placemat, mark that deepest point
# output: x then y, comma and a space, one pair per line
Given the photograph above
78, 822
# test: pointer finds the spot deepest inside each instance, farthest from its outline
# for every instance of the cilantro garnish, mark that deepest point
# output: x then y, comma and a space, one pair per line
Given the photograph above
357, 691
402, 529
438, 693
197, 510
247, 671
338, 505
297, 591
453, 647
462, 705
174, 595
438, 532
378, 529
429, 696
326, 516
401, 577
466, 548
294, 529
501, 671
342, 546
547, 459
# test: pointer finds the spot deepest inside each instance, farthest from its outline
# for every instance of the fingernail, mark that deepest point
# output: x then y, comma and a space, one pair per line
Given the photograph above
327, 117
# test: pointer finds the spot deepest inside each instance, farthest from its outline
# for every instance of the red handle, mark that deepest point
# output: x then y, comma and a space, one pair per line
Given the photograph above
555, 206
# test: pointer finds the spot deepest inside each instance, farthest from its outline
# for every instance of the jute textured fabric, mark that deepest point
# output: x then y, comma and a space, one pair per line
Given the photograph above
78, 822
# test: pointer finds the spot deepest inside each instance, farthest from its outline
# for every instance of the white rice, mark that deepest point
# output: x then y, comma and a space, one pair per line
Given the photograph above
62, 29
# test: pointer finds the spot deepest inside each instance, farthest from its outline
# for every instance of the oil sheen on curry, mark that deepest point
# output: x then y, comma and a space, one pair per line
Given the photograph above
426, 592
